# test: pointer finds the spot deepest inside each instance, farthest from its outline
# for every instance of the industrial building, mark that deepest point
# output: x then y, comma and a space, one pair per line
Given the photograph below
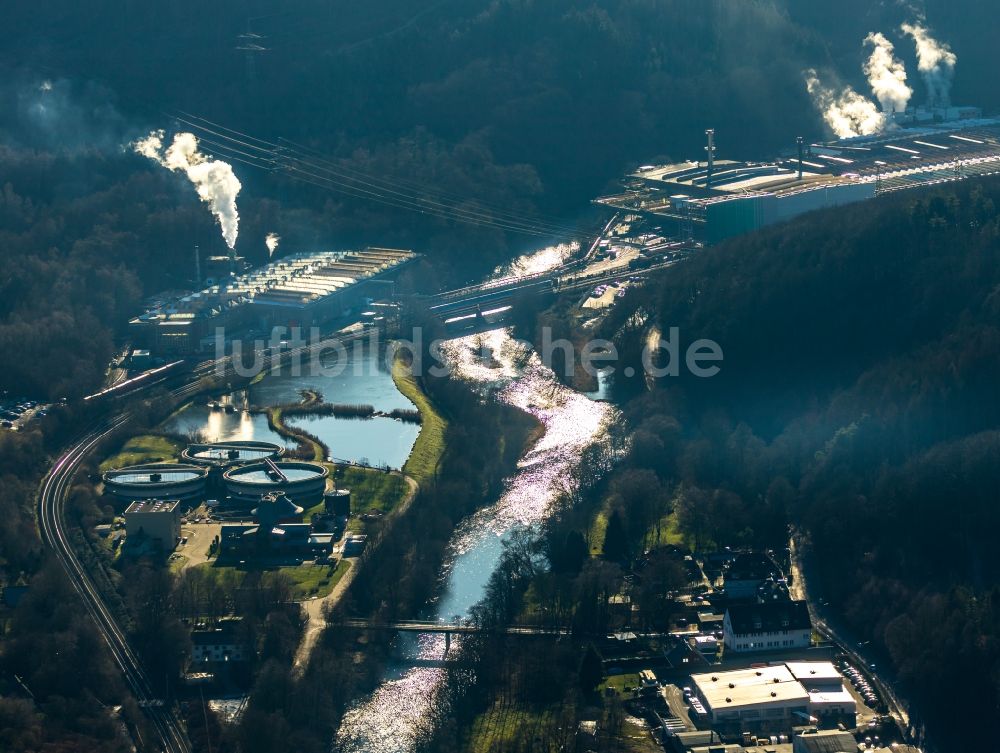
277, 530
773, 698
771, 626
824, 741
157, 481
829, 698
156, 520
300, 290
714, 199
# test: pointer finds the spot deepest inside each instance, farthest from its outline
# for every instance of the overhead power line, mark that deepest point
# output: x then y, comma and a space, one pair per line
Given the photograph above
304, 165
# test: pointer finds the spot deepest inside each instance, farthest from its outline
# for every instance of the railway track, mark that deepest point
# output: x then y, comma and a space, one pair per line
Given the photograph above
51, 521
51, 501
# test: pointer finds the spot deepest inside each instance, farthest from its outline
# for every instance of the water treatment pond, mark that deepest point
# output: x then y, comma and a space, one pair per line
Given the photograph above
358, 377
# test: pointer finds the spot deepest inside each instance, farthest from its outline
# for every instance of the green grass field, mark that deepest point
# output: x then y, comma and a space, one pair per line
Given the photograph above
145, 448
308, 579
427, 450
371, 491
498, 727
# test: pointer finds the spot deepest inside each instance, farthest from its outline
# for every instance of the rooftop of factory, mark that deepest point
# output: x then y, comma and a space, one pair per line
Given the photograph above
729, 176
825, 741
750, 687
816, 682
917, 149
813, 670
294, 280
152, 506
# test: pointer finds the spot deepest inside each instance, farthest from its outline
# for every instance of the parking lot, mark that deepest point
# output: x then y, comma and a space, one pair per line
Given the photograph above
16, 412
199, 540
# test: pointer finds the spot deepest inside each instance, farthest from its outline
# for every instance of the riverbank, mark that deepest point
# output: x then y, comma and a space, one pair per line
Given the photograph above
421, 465
425, 457
310, 447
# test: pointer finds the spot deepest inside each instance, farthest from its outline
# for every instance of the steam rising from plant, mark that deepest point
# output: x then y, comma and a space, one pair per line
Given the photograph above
846, 112
936, 63
886, 74
271, 241
214, 180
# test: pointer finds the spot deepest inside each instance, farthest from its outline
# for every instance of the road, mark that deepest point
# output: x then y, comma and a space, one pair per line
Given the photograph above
316, 609
415, 626
454, 303
51, 501
825, 625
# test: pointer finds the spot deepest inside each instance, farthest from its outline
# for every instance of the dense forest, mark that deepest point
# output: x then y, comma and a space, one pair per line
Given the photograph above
507, 108
856, 402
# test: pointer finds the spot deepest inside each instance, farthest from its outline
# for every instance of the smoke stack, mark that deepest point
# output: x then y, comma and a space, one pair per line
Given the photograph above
798, 141
710, 133
197, 266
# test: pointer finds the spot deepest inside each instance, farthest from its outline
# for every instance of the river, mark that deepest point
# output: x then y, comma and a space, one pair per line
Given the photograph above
404, 706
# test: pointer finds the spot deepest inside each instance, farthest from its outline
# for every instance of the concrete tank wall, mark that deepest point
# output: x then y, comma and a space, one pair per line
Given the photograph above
305, 485
157, 481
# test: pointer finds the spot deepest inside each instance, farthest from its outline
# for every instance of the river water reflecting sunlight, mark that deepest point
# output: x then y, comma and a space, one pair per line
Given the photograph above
403, 708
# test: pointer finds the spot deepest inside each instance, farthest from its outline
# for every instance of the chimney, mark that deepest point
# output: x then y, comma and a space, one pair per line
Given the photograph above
710, 133
799, 142
197, 267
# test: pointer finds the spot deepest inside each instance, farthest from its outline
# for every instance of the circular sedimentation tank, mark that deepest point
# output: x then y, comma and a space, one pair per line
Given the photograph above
237, 452
302, 482
157, 481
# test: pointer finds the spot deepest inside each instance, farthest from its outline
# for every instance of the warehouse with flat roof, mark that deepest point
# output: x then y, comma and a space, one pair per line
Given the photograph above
765, 695
300, 290
773, 698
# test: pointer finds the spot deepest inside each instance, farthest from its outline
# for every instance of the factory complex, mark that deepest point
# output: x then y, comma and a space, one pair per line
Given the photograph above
715, 199
259, 497
300, 290
775, 697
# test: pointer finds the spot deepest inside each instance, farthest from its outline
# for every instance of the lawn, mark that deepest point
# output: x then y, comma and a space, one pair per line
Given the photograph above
427, 450
597, 531
371, 491
145, 448
308, 579
498, 727
668, 533
618, 682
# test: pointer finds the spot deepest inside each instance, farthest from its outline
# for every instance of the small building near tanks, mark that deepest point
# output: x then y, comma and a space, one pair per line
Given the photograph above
157, 520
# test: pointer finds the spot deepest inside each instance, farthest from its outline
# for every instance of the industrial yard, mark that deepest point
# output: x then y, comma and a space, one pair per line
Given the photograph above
715, 199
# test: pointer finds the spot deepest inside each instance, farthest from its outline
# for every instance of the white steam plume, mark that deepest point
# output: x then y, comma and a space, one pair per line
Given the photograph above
214, 180
886, 75
936, 63
846, 112
271, 241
